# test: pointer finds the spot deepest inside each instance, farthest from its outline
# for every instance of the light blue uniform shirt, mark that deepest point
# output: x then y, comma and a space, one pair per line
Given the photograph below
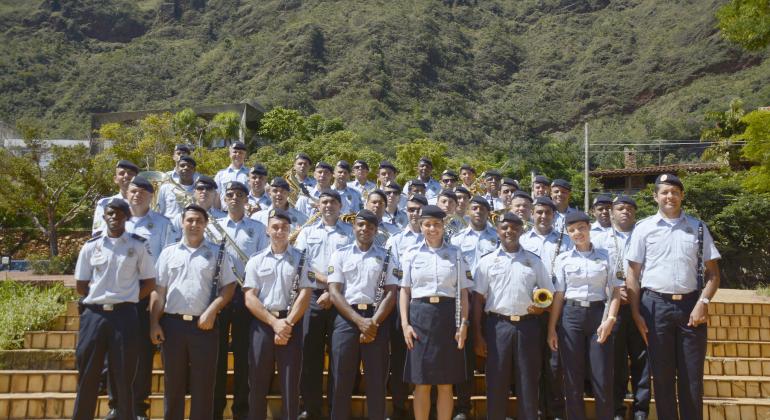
168, 205
359, 272
545, 246
668, 252
175, 176
248, 234
507, 280
558, 218
263, 201
272, 276
297, 218
584, 275
153, 227
597, 228
321, 241
432, 189
615, 242
399, 218
305, 205
227, 175
98, 221
495, 202
351, 200
113, 268
176, 224
475, 243
368, 186
404, 240
188, 276
435, 272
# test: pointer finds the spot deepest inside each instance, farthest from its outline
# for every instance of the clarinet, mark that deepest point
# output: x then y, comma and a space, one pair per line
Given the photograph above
556, 254
217, 272
699, 267
458, 297
378, 294
295, 282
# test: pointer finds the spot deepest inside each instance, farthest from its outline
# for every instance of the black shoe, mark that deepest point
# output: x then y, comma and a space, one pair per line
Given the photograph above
640, 416
304, 416
112, 414
142, 418
461, 416
399, 414
619, 417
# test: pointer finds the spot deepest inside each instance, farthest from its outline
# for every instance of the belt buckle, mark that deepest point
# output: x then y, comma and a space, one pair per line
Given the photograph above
362, 306
434, 299
108, 307
275, 313
676, 297
584, 303
187, 317
515, 318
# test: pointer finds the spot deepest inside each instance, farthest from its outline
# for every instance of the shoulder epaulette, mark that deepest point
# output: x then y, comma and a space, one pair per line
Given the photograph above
138, 238
96, 236
487, 253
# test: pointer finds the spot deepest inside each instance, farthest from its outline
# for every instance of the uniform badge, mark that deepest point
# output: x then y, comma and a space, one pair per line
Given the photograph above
619, 275
598, 261
250, 232
689, 230
663, 177
445, 256
330, 270
468, 275
398, 273
131, 252
208, 255
293, 219
378, 258
150, 225
527, 263
497, 260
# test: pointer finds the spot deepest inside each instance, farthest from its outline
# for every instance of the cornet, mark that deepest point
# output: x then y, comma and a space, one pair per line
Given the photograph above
542, 298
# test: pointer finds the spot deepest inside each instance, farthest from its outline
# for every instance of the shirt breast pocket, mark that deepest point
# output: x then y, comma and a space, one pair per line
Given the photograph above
573, 273
266, 275
654, 246
98, 262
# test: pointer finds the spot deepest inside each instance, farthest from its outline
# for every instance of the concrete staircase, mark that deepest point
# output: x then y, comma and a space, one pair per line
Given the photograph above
40, 380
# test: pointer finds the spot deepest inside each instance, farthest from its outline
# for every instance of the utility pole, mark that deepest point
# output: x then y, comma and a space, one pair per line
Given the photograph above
585, 174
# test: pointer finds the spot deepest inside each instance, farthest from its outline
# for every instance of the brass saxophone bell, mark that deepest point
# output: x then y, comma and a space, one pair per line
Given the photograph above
542, 298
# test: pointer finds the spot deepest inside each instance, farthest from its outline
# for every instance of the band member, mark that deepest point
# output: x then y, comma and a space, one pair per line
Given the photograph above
394, 212
582, 283
492, 180
319, 240
360, 180
277, 294
113, 272
521, 205
302, 164
279, 196
179, 151
504, 281
601, 209
671, 309
362, 283
467, 176
259, 198
424, 172
237, 171
205, 196
351, 198
234, 320
508, 187
541, 186
195, 282
169, 194
448, 180
306, 204
463, 202
386, 172
628, 341
418, 187
376, 202
447, 202
435, 325
125, 171
561, 191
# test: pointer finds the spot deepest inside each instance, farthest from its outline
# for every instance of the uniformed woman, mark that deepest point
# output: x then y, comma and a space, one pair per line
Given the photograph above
583, 284
435, 324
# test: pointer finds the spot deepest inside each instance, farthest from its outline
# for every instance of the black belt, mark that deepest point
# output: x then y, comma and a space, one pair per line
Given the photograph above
107, 307
434, 299
318, 292
363, 308
189, 318
280, 314
584, 303
674, 297
511, 318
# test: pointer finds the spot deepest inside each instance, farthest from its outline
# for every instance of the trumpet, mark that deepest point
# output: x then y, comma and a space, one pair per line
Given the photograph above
496, 215
542, 298
310, 220
478, 187
157, 179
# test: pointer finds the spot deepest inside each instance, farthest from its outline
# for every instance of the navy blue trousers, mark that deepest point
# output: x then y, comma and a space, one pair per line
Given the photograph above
577, 344
346, 356
513, 353
629, 346
188, 349
552, 376
399, 389
114, 335
234, 324
677, 353
318, 325
263, 356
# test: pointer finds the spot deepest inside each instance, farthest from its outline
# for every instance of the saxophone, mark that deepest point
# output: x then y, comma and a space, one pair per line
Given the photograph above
310, 220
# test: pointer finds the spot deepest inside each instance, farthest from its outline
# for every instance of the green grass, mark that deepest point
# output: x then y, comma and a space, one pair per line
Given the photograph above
763, 290
25, 307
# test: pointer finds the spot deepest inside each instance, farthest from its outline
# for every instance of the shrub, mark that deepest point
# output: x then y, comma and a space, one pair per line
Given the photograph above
25, 307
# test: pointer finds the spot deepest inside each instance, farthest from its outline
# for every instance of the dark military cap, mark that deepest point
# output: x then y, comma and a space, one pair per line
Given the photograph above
492, 172
577, 216
368, 216
119, 204
143, 183
344, 165
481, 201
670, 180
510, 181
127, 164
387, 165
426, 160
182, 148
236, 185
561, 183
418, 198
416, 182
279, 182
432, 211
279, 214
510, 218
541, 179
449, 173
522, 194
545, 201
206, 181
467, 167
324, 165
624, 199
189, 160
393, 185
331, 193
602, 199
462, 190
238, 145
303, 156
259, 169
199, 209
379, 192
361, 163
448, 193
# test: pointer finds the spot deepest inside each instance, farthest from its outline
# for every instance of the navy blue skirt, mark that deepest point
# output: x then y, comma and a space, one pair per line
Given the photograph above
435, 359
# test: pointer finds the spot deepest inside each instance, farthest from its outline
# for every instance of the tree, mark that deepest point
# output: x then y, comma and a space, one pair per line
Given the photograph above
726, 125
746, 22
757, 150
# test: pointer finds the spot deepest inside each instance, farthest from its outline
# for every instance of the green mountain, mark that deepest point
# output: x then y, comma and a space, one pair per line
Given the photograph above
482, 72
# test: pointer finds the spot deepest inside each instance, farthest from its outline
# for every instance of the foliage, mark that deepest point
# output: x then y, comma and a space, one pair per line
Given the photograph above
746, 22
60, 264
757, 150
725, 126
25, 307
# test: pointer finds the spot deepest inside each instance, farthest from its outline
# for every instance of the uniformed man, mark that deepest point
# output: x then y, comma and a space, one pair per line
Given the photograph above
492, 180
279, 195
504, 282
306, 204
671, 309
416, 186
319, 240
521, 205
157, 233
362, 283
386, 172
113, 272
125, 171
195, 282
508, 187
447, 202
169, 203
234, 320
259, 198
302, 165
467, 176
463, 202
360, 180
561, 191
179, 151
376, 202
448, 180
628, 341
601, 209
237, 171
541, 186
424, 172
277, 295
351, 198
205, 196
394, 212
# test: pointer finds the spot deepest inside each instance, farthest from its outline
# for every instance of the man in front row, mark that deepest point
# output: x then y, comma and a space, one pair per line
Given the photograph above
183, 315
277, 295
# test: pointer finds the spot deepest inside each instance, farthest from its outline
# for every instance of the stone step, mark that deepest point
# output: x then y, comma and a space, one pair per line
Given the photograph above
752, 349
65, 323
50, 339
738, 333
737, 366
753, 321
726, 308
736, 386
